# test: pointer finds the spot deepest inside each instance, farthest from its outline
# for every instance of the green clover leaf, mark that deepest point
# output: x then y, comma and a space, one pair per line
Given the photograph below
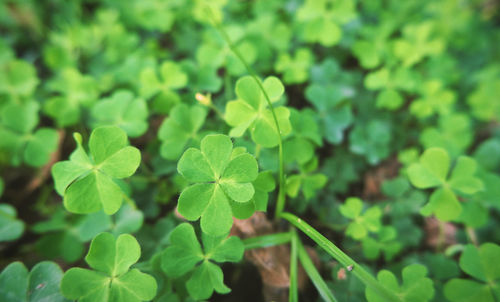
112, 279
484, 100
371, 140
40, 284
362, 223
304, 138
432, 171
75, 92
334, 114
306, 181
17, 79
386, 243
483, 264
122, 110
390, 83
11, 228
417, 43
185, 255
295, 69
222, 178
263, 184
250, 112
454, 134
87, 182
180, 129
162, 89
434, 99
320, 20
416, 286
20, 140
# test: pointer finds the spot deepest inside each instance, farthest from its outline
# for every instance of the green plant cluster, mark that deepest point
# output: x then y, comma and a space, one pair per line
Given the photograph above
137, 136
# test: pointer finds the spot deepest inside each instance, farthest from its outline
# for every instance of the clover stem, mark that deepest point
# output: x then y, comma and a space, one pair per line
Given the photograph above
280, 205
130, 202
343, 258
293, 295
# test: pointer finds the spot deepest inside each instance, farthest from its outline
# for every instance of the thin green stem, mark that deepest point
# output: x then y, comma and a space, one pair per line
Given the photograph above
267, 240
314, 275
129, 201
293, 294
280, 205
342, 257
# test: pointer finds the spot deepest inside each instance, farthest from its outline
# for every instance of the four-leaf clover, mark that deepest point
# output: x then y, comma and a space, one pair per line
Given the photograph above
221, 176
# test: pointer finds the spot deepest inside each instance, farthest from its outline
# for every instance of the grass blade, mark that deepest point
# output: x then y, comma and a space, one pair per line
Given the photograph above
341, 257
314, 275
267, 240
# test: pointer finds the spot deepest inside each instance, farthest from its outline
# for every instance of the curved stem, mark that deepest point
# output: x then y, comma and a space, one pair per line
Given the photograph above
342, 257
280, 205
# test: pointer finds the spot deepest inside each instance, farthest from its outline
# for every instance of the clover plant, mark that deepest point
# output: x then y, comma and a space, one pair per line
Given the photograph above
122, 109
368, 221
432, 171
481, 263
87, 180
180, 129
202, 128
250, 112
415, 286
185, 254
222, 180
40, 284
111, 278
20, 141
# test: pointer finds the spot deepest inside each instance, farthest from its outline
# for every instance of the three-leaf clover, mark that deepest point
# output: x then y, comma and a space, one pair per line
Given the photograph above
416, 286
434, 99
250, 111
222, 178
320, 20
179, 129
295, 69
307, 181
454, 134
371, 140
162, 88
112, 279
417, 43
17, 79
386, 243
334, 114
369, 221
186, 255
390, 83
75, 92
483, 264
122, 109
20, 140
87, 182
432, 171
39, 285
